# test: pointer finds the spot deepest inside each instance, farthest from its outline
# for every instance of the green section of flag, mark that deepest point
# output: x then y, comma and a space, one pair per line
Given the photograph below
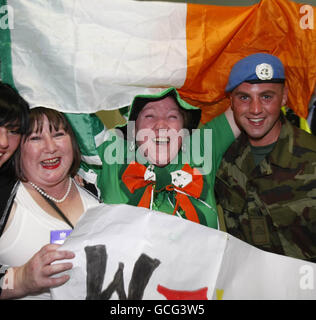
86, 127
6, 22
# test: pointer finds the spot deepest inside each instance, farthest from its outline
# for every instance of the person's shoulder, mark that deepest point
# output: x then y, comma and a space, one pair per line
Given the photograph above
304, 139
88, 192
237, 149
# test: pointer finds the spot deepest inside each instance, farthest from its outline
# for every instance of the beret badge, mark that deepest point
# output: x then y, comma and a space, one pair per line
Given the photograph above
264, 71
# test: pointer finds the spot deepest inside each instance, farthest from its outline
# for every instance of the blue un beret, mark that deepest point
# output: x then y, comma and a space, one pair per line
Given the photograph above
256, 68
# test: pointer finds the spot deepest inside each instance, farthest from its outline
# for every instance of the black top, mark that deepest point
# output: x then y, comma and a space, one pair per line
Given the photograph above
7, 182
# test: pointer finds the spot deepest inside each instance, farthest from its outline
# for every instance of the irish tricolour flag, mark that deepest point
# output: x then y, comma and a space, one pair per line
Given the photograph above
80, 56
84, 56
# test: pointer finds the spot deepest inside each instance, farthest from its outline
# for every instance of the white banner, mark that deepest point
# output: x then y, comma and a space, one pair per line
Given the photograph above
129, 252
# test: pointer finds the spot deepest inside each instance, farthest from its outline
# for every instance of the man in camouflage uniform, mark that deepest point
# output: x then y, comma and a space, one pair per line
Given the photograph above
266, 183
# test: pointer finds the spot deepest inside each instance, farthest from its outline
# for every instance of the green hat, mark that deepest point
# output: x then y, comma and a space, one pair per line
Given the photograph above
141, 100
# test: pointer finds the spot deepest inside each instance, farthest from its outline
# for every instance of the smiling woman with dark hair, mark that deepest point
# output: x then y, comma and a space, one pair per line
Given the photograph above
56, 121
47, 201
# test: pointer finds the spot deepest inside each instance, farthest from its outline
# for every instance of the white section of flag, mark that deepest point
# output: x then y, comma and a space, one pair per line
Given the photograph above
85, 56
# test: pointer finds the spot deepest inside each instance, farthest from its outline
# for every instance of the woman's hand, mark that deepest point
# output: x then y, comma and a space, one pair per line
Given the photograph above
35, 276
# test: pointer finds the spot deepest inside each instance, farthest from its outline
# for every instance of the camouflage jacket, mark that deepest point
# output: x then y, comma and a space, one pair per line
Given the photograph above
273, 205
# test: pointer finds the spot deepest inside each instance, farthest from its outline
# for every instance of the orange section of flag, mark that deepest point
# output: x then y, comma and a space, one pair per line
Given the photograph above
218, 36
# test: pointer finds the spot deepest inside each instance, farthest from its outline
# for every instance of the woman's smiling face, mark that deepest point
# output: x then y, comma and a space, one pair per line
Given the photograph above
158, 131
47, 155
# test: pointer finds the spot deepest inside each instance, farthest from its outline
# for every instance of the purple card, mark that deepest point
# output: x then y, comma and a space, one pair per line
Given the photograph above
59, 236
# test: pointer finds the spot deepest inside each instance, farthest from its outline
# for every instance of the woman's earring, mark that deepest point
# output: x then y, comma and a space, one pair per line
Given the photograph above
183, 148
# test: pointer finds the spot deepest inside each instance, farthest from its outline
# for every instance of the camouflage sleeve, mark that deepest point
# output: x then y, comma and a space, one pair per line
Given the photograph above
231, 204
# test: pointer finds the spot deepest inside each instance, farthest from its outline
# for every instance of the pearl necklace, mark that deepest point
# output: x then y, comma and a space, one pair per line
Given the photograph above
42, 192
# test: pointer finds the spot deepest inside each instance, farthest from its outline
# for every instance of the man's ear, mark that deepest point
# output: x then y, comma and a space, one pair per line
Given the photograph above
231, 101
285, 95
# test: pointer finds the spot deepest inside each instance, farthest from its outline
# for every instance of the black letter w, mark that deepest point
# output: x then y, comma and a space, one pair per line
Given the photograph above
96, 268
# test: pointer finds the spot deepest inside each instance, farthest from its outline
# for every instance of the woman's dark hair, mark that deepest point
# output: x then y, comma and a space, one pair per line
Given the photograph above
191, 117
56, 120
13, 109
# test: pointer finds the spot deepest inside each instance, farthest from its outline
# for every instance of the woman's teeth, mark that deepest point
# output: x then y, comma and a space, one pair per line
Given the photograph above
51, 161
161, 140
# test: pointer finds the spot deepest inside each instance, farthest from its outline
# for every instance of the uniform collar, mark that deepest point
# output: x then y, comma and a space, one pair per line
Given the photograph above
281, 155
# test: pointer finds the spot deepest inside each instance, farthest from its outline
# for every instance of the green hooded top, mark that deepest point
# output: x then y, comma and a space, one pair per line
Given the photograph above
110, 159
